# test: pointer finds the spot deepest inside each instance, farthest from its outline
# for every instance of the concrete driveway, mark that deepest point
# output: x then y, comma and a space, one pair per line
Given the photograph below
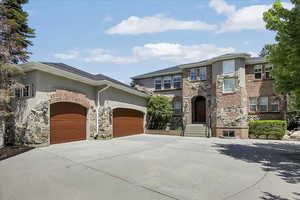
155, 167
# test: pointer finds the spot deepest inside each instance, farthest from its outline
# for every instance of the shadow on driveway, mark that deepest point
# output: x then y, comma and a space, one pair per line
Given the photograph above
282, 158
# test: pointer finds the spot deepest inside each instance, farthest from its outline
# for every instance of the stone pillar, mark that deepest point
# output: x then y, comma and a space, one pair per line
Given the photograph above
104, 122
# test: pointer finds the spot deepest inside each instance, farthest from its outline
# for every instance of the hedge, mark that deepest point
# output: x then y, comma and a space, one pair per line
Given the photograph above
268, 128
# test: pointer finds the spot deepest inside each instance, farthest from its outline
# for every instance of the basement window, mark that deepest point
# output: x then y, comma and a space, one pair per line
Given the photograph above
228, 134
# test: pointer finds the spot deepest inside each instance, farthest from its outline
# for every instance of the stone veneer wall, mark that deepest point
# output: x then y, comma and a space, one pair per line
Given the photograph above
35, 129
192, 89
230, 109
105, 122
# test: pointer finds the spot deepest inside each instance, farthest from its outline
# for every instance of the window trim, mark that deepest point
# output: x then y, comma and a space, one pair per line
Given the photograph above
167, 78
179, 109
275, 102
176, 81
234, 90
155, 83
223, 67
251, 104
205, 73
193, 71
261, 71
259, 104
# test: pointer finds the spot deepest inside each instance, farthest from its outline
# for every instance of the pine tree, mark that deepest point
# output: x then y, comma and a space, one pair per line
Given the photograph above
14, 41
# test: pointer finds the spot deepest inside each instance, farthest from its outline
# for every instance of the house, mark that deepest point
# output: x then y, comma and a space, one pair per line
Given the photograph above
218, 96
59, 103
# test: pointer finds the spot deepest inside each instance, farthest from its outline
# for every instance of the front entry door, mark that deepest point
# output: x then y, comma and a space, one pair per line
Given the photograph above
199, 110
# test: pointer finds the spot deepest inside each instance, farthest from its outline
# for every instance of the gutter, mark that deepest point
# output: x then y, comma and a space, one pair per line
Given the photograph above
98, 106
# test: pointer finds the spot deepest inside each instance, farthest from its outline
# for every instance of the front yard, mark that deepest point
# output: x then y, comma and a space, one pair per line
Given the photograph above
155, 167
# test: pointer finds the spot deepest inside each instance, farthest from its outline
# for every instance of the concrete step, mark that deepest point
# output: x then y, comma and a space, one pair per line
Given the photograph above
196, 130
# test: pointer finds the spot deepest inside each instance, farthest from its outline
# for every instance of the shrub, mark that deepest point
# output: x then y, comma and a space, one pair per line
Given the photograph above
268, 128
159, 112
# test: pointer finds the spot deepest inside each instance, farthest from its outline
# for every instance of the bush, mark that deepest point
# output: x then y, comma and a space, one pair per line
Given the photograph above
268, 128
159, 112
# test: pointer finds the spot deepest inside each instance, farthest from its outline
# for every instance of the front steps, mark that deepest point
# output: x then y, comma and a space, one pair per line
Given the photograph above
196, 130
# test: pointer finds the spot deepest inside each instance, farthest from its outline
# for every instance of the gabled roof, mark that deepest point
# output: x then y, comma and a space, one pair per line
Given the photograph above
178, 68
61, 69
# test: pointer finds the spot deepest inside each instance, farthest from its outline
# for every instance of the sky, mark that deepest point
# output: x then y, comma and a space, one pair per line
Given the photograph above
122, 39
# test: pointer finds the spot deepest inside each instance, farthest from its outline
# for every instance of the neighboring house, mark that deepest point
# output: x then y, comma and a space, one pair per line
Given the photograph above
59, 103
220, 94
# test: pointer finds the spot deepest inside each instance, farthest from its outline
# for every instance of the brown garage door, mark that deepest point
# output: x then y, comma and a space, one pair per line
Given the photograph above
127, 122
68, 122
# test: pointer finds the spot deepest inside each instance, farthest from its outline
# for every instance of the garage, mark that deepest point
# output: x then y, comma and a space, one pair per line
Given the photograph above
127, 122
67, 123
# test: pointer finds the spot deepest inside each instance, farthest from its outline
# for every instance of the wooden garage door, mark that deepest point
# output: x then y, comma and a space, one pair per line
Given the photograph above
68, 122
127, 122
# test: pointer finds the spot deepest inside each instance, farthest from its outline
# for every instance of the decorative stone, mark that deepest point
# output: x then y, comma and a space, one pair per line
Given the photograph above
286, 137
295, 135
105, 125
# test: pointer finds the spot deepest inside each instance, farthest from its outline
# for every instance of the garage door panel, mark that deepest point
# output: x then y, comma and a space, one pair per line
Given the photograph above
127, 122
68, 122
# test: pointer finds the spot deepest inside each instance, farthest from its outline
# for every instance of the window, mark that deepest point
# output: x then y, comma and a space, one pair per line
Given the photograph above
228, 133
157, 83
177, 107
202, 73
253, 104
26, 91
18, 92
275, 106
268, 69
228, 67
167, 82
229, 85
193, 74
257, 71
177, 82
263, 104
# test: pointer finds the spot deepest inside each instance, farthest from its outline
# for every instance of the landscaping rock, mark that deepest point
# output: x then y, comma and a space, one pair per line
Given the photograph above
295, 135
286, 137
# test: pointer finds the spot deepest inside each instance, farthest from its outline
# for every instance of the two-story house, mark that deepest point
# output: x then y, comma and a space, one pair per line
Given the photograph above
218, 96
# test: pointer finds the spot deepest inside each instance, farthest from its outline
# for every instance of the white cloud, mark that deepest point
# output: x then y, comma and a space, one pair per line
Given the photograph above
246, 18
155, 24
173, 52
222, 7
179, 53
101, 55
70, 55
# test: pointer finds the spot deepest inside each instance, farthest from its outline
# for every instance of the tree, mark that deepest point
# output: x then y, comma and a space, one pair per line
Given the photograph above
285, 53
159, 112
14, 41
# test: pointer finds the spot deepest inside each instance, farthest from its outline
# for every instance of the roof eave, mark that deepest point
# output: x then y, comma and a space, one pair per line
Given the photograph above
31, 66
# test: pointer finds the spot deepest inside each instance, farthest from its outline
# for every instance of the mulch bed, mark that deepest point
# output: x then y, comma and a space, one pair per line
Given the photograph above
10, 151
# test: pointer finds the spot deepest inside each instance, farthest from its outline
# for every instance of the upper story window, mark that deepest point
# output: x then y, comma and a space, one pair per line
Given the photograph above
228, 67
229, 85
157, 84
268, 70
177, 81
167, 82
26, 91
177, 107
202, 73
193, 74
258, 71
263, 104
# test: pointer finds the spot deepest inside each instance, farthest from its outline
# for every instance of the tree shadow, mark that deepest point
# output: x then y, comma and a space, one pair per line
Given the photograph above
281, 158
269, 196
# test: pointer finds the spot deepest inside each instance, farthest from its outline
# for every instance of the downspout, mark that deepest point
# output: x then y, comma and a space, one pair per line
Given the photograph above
98, 106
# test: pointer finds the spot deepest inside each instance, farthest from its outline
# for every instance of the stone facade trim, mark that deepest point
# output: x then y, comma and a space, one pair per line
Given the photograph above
69, 96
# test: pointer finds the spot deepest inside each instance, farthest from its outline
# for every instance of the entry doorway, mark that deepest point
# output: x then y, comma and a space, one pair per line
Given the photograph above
199, 110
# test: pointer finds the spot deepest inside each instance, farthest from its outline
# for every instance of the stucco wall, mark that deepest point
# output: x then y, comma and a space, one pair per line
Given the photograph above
33, 119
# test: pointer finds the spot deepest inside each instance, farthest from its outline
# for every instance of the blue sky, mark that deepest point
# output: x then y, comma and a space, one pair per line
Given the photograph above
122, 39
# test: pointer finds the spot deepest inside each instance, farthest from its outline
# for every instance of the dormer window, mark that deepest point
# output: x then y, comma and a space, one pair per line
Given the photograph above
167, 82
228, 67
